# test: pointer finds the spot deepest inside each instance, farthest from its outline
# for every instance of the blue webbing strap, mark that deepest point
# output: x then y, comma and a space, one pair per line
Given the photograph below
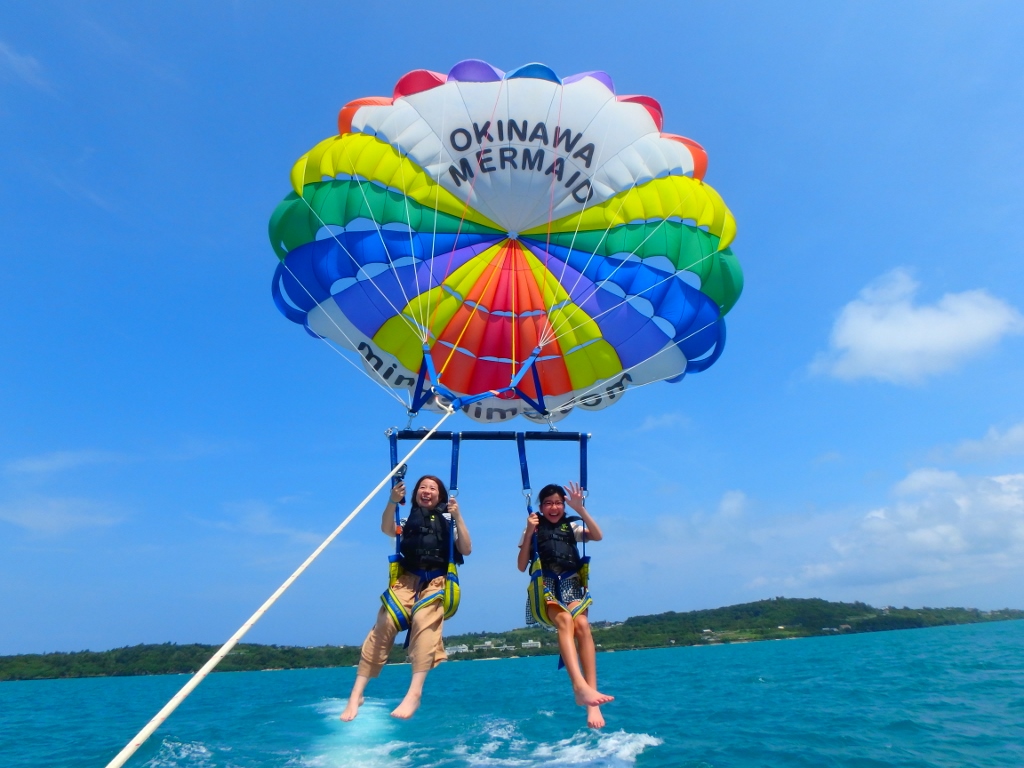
453, 486
393, 447
453, 490
525, 470
584, 437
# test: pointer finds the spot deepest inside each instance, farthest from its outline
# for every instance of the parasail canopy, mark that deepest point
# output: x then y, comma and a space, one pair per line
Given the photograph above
510, 243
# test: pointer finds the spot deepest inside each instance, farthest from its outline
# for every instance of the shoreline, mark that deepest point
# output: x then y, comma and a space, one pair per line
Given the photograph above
775, 619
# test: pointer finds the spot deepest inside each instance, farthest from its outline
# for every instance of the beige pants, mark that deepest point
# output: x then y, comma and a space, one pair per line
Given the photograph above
426, 648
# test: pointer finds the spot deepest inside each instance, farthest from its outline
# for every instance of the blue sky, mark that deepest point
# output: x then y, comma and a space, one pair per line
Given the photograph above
172, 447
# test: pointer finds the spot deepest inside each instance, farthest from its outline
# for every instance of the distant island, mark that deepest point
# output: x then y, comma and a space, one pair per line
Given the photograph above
774, 619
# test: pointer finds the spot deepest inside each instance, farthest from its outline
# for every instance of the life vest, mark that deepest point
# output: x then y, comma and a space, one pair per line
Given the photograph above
556, 545
426, 548
425, 544
561, 561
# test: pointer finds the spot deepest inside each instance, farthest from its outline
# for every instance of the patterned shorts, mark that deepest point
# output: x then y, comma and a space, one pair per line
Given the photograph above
566, 591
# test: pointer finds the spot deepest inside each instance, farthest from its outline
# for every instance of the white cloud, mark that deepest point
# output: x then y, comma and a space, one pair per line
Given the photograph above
59, 461
883, 334
829, 457
24, 68
943, 538
141, 57
256, 518
993, 444
54, 516
944, 532
78, 191
664, 421
732, 505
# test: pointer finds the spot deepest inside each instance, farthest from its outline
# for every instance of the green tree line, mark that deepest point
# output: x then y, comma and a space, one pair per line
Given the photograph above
777, 618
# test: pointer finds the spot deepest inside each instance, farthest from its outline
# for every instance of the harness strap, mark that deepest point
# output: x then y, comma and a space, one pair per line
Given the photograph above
539, 594
583, 484
584, 438
398, 612
524, 470
453, 486
393, 447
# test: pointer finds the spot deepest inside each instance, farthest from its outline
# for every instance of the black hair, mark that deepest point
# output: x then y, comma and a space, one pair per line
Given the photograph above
442, 492
550, 490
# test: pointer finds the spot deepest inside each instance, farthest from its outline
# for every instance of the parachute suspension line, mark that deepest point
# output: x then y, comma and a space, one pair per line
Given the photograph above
412, 256
703, 257
515, 281
543, 203
546, 334
555, 335
714, 356
579, 220
387, 252
494, 273
387, 390
197, 678
419, 398
592, 254
566, 321
600, 242
398, 312
551, 193
613, 307
462, 221
542, 340
427, 314
540, 328
423, 392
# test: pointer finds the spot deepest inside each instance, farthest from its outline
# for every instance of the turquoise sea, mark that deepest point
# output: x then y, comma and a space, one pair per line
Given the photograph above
950, 696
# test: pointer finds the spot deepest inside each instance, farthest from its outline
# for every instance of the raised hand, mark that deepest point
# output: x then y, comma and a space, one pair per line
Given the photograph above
398, 492
574, 496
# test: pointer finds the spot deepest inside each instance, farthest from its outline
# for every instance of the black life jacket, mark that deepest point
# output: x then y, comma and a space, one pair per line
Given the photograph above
424, 544
556, 545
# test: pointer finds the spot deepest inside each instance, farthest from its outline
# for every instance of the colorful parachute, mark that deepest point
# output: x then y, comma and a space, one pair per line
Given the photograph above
514, 243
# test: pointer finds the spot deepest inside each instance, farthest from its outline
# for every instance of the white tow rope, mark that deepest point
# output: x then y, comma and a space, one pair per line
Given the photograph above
197, 678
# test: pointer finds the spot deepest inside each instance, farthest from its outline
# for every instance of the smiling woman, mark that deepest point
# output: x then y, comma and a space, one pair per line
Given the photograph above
432, 540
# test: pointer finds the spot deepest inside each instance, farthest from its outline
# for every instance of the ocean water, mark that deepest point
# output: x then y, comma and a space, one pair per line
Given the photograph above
949, 696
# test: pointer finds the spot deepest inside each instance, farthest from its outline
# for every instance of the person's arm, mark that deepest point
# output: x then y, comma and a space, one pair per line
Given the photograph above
463, 543
575, 502
387, 518
527, 543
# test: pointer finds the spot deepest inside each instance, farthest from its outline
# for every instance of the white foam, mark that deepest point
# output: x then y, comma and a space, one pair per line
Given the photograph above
177, 754
368, 741
372, 740
582, 748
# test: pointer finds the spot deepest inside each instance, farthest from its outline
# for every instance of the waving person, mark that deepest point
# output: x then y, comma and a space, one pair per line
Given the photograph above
551, 538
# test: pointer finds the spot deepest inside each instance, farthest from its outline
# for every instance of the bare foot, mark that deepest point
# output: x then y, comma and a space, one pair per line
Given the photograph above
351, 709
594, 717
408, 707
587, 696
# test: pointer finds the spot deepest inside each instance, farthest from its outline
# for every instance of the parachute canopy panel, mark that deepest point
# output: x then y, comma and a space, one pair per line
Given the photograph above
494, 221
